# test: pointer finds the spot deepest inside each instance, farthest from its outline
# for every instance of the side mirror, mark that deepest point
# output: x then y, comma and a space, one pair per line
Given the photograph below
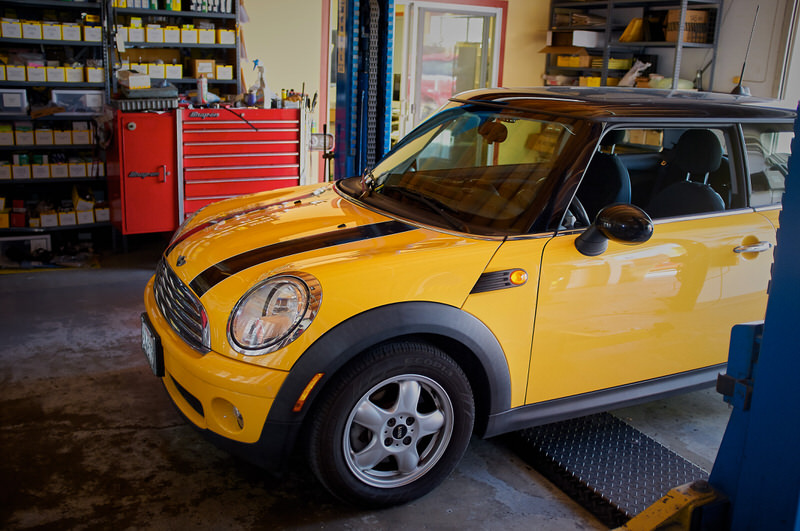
619, 222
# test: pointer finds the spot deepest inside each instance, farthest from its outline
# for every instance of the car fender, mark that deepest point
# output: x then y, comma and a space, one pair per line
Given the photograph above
407, 319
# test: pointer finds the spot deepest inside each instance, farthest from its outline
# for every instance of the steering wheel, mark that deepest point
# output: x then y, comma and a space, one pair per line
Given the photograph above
581, 217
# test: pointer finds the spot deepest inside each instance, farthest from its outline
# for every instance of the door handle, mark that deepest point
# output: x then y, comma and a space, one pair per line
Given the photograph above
164, 173
759, 247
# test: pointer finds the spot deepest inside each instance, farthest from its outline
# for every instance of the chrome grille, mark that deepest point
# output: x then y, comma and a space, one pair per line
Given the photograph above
181, 308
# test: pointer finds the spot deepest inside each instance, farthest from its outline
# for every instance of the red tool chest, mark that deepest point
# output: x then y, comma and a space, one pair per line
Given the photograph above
166, 165
229, 152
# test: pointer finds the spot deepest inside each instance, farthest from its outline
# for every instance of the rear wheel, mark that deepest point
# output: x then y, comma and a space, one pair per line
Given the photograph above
392, 425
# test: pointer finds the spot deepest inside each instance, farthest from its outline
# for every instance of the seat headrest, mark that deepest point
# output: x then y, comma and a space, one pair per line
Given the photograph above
698, 151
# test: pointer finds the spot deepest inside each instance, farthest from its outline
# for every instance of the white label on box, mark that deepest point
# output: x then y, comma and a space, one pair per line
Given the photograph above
37, 73
172, 35
102, 214
136, 34
59, 171
49, 220
40, 171
174, 71
156, 71
189, 36
77, 169
24, 138
80, 137
62, 137
95, 75
85, 216
94, 101
5, 171
224, 72
92, 33
12, 30
43, 138
32, 31
15, 73
7, 139
55, 73
74, 75
13, 100
71, 32
206, 36
51, 32
21, 172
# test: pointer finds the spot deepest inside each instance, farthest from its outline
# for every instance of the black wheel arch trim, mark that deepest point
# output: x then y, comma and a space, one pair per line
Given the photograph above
418, 319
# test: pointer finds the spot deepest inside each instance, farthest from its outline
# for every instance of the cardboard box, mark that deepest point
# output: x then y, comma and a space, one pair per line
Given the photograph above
6, 135
16, 73
43, 137
572, 42
224, 72
84, 217
206, 36
92, 33
73, 74
156, 71
81, 136
154, 33
5, 219
574, 61
70, 32
5, 171
18, 219
34, 221
51, 31
226, 36
695, 28
102, 214
77, 169
31, 29
205, 67
67, 218
135, 34
20, 171
62, 138
36, 73
11, 28
80, 203
40, 171
2, 72
173, 71
13, 101
59, 170
95, 74
56, 74
133, 79
23, 138
188, 36
172, 34
48, 219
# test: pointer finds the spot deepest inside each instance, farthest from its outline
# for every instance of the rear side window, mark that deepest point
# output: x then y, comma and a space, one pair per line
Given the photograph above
768, 147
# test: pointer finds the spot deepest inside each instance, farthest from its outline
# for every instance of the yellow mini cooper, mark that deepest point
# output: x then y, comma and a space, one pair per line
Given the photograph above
522, 257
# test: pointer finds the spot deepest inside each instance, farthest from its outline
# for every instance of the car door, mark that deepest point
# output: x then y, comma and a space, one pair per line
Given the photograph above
640, 313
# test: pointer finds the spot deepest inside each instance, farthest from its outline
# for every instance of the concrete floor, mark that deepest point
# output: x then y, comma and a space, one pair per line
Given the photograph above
90, 441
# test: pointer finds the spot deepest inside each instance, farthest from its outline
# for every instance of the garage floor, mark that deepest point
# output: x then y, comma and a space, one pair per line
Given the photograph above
90, 441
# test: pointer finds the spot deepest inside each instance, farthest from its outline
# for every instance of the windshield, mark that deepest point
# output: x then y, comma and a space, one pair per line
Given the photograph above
475, 169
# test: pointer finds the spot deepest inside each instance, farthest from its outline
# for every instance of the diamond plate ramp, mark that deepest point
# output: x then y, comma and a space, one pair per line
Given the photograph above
606, 465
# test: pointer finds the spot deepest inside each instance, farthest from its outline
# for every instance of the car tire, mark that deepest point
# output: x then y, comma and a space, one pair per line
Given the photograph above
391, 426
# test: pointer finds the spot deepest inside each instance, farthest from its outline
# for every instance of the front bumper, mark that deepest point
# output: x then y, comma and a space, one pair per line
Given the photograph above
225, 397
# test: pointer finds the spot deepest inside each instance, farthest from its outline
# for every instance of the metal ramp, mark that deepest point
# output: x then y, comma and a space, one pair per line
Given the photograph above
606, 465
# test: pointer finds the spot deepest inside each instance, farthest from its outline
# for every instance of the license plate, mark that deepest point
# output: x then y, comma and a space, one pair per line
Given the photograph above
151, 345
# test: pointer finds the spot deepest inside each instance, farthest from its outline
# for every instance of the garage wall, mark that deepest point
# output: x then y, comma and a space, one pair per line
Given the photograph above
528, 21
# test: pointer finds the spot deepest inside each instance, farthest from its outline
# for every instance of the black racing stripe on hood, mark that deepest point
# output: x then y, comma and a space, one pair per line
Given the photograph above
235, 264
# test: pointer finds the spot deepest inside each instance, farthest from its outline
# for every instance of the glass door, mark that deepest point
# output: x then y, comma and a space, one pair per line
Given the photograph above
444, 49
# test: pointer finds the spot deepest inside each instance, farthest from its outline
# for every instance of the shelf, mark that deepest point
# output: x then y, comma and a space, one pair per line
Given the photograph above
53, 180
177, 45
60, 117
187, 80
51, 84
578, 5
94, 6
49, 147
36, 42
169, 13
660, 44
40, 230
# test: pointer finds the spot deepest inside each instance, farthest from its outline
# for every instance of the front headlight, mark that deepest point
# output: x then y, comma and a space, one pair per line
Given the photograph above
274, 313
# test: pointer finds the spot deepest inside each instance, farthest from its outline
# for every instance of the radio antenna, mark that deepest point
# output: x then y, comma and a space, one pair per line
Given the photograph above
739, 89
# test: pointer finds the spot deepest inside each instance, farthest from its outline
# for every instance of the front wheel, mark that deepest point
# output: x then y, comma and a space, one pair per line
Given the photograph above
392, 425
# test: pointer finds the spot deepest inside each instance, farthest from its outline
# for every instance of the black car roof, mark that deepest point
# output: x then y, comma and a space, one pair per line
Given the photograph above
610, 104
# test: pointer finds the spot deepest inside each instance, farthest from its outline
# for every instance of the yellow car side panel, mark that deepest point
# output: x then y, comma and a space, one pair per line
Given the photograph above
211, 378
640, 312
509, 313
358, 276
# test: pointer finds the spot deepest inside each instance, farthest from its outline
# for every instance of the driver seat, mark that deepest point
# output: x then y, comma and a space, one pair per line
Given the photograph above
606, 180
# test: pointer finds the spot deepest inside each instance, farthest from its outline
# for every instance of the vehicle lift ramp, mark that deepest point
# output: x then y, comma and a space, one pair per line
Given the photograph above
611, 468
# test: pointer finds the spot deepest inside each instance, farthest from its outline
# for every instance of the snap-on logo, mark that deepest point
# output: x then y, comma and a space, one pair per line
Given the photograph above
203, 115
143, 174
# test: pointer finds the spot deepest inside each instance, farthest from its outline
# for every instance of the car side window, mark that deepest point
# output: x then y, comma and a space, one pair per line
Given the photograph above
669, 172
767, 147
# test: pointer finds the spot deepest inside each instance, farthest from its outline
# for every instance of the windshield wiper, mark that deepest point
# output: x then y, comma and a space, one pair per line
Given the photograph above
432, 204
